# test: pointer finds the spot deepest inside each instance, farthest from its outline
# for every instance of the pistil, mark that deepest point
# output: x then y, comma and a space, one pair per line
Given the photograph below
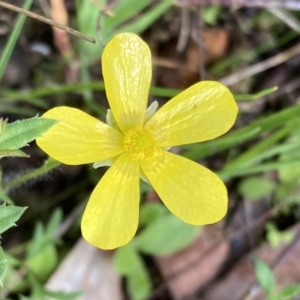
140, 144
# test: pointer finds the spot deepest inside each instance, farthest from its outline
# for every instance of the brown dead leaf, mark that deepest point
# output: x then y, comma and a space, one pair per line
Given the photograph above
90, 270
192, 268
180, 70
240, 282
196, 269
59, 14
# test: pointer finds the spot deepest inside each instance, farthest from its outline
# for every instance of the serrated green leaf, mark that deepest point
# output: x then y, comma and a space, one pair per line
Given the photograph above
264, 276
19, 133
256, 187
166, 235
9, 215
288, 292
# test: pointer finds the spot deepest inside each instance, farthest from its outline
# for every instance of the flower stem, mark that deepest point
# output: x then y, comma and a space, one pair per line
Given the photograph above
45, 168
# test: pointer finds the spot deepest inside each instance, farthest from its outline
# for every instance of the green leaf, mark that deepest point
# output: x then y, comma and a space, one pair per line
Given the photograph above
152, 211
276, 237
264, 276
13, 38
251, 131
54, 223
264, 167
3, 124
37, 292
12, 153
263, 149
292, 172
132, 16
44, 236
41, 293
9, 215
5, 198
139, 284
260, 94
18, 134
42, 255
129, 263
147, 19
123, 11
43, 263
12, 270
256, 187
211, 14
23, 298
166, 235
126, 259
87, 16
288, 292
3, 262
63, 295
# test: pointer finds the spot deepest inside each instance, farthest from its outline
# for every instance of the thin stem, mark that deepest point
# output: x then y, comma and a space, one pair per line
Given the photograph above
45, 168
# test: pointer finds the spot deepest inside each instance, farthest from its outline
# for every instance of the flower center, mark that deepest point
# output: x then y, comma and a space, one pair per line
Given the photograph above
140, 143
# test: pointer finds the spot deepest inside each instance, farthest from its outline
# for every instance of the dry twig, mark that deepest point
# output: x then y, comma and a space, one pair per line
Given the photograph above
262, 66
48, 21
288, 4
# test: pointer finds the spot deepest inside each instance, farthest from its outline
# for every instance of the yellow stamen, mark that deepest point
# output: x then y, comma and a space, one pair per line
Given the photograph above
140, 144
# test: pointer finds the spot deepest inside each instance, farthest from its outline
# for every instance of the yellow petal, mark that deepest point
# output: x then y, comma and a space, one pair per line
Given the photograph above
78, 138
110, 219
204, 111
126, 66
191, 192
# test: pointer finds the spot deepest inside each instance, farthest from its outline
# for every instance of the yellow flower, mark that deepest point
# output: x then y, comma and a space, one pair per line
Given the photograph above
135, 144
